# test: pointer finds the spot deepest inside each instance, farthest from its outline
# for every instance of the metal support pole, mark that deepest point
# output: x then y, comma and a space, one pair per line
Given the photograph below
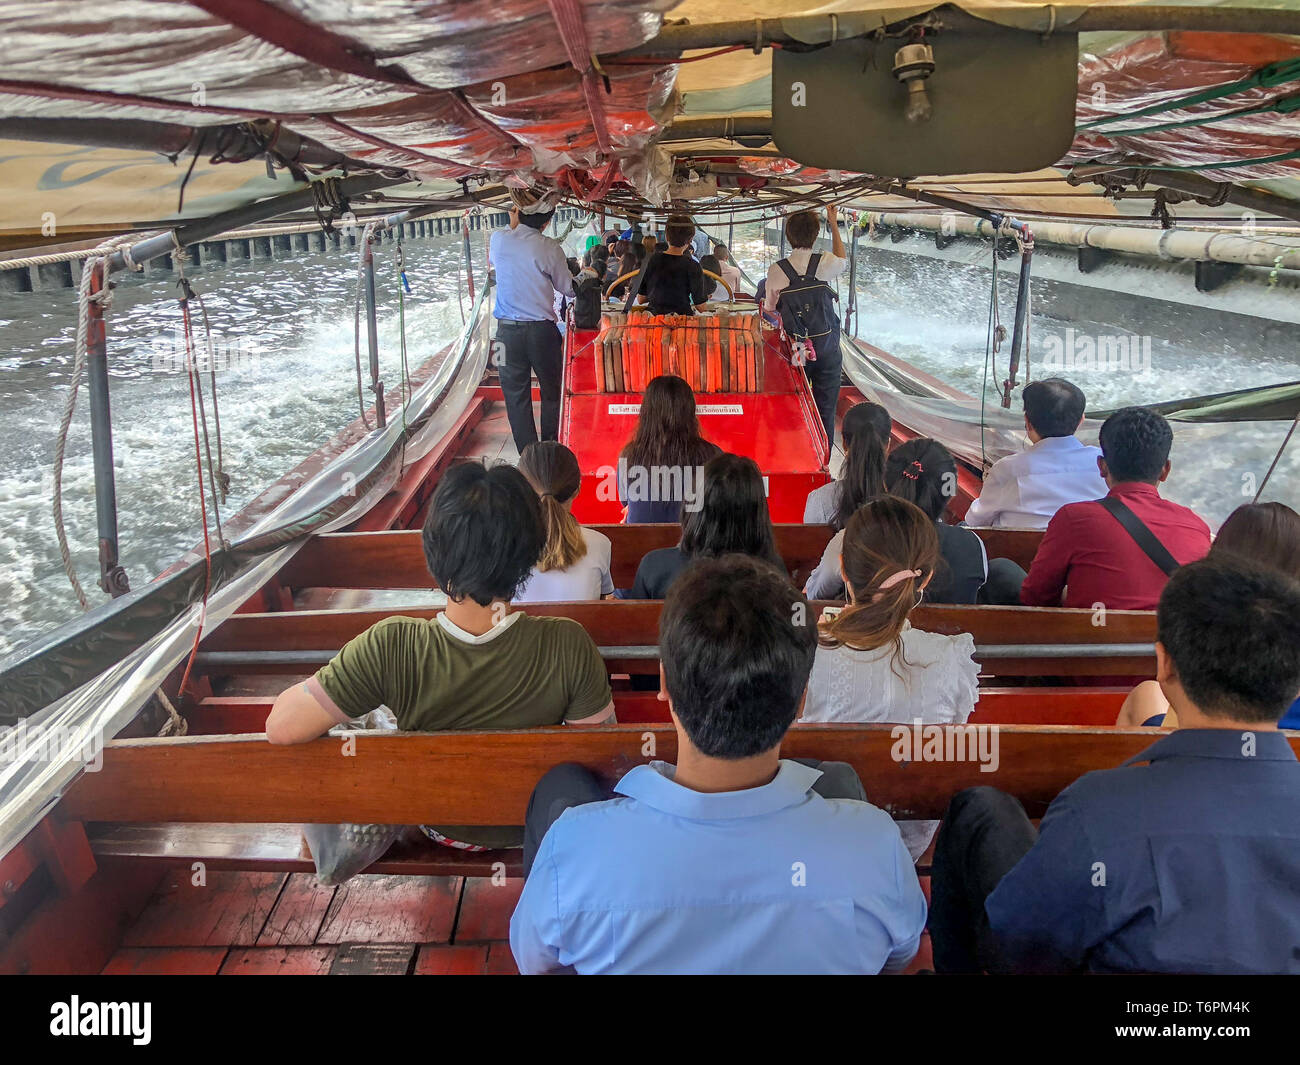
112, 577
1019, 330
469, 259
372, 333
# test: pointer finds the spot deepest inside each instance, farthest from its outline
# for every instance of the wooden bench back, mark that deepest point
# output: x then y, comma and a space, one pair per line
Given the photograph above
1010, 641
484, 778
396, 559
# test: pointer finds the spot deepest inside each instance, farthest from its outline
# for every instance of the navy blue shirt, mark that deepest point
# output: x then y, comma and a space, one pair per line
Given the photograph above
1190, 863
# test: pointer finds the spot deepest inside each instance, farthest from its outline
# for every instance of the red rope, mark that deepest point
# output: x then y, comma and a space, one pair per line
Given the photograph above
203, 503
573, 34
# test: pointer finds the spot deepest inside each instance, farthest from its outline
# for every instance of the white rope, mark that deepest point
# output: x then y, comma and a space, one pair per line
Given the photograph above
175, 725
104, 298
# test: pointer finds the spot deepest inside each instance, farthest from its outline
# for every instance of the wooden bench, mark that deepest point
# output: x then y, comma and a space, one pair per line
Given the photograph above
219, 715
1010, 641
236, 802
384, 560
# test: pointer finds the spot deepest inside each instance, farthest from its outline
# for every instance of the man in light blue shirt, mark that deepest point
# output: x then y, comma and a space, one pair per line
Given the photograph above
733, 860
530, 269
1024, 490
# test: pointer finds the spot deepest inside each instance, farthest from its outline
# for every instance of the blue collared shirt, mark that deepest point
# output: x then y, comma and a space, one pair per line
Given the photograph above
774, 879
1188, 864
531, 268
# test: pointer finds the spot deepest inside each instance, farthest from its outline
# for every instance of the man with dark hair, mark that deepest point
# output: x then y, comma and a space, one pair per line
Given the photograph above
673, 282
531, 269
478, 664
1118, 551
1024, 490
1184, 859
798, 291
733, 860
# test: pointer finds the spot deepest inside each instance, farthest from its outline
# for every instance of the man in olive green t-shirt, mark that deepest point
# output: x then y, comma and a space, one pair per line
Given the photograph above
476, 665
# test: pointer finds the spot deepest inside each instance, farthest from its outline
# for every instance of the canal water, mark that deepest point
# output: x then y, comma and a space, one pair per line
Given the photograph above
285, 329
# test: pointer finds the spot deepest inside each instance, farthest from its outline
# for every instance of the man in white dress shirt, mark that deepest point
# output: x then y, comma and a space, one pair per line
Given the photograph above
1024, 490
532, 272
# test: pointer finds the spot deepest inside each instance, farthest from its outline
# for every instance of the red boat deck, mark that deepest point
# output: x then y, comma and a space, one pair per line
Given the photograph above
776, 428
258, 924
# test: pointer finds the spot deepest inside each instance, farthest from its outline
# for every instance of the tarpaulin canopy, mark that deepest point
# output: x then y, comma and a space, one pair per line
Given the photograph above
460, 100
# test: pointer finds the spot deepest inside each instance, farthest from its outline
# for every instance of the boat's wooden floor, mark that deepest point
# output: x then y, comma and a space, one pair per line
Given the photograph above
285, 923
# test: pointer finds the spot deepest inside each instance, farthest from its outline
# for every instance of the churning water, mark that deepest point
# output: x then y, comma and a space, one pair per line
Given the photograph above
291, 384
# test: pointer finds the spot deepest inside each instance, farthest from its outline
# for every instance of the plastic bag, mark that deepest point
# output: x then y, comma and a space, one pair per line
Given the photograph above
342, 851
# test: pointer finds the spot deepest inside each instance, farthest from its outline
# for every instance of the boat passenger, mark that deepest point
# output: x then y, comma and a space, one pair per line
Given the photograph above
614, 268
629, 264
1024, 490
574, 564
673, 281
530, 269
734, 860
923, 472
1267, 534
662, 465
1118, 551
478, 664
808, 311
700, 245
729, 270
865, 429
1184, 859
731, 517
871, 664
717, 290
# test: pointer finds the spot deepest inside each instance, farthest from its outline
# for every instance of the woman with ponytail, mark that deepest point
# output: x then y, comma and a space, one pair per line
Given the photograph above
924, 473
575, 561
871, 665
866, 428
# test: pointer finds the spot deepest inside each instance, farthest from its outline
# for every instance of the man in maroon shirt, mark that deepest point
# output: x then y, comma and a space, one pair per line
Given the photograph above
1087, 556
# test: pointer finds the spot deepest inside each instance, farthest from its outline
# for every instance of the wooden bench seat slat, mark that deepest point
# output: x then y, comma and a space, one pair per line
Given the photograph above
1011, 641
1074, 705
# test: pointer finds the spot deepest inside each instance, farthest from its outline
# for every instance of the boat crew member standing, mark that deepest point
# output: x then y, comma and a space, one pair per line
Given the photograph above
530, 269
808, 310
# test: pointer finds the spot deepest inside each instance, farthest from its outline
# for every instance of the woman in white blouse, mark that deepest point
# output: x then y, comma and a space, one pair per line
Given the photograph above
871, 665
575, 561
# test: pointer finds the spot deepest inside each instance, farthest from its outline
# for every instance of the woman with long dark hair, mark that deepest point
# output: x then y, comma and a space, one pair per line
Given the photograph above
1265, 534
871, 665
731, 518
923, 472
574, 564
662, 465
865, 429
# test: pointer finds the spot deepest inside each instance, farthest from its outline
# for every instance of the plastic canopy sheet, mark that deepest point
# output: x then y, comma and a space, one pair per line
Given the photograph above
103, 706
170, 51
1156, 70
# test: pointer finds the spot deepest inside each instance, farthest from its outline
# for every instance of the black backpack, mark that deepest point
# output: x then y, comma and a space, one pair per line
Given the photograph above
807, 307
586, 302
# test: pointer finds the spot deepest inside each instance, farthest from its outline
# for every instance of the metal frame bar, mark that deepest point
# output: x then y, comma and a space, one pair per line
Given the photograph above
798, 31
